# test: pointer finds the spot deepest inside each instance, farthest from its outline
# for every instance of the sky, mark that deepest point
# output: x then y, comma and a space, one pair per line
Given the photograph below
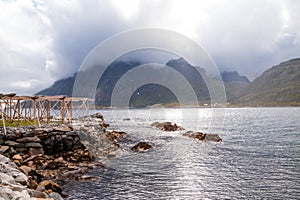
42, 41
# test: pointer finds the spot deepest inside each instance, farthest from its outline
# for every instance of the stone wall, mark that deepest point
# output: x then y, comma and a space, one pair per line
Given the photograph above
48, 140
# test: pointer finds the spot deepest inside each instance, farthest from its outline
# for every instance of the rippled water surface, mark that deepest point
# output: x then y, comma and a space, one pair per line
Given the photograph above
259, 157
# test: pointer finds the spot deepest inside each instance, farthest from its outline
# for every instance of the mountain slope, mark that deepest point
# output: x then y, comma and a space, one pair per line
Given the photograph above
234, 83
60, 87
279, 85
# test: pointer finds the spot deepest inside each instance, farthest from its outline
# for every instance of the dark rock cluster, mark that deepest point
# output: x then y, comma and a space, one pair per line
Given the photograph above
169, 126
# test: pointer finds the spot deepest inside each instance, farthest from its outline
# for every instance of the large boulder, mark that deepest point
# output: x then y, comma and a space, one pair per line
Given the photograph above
141, 146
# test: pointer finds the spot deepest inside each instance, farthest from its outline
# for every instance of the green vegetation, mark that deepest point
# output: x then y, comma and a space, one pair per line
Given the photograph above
16, 123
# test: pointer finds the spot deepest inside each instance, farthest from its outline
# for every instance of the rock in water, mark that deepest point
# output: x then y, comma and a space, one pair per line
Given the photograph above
141, 146
196, 135
160, 125
203, 136
171, 127
167, 126
213, 137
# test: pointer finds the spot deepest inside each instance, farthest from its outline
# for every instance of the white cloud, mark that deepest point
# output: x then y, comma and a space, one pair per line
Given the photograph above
23, 46
44, 40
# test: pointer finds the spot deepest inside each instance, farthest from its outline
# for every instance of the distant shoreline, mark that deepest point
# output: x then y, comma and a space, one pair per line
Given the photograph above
227, 106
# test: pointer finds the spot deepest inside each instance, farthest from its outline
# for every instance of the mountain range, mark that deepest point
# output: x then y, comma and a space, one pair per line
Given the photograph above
277, 86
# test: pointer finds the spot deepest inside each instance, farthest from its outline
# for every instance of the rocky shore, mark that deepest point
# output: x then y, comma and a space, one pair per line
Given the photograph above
34, 160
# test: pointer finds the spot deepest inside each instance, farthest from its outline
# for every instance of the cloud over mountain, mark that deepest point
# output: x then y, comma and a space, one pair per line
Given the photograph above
42, 41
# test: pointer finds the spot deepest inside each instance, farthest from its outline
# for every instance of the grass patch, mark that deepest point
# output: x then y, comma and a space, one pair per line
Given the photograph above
16, 123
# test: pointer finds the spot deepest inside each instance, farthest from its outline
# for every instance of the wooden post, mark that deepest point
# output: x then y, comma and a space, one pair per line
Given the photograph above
10, 110
48, 111
25, 109
69, 105
19, 111
39, 110
34, 112
62, 110
3, 120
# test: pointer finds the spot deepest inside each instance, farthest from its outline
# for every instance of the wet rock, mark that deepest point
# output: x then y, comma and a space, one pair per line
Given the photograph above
97, 115
55, 164
172, 127
141, 146
104, 125
195, 135
115, 136
213, 137
36, 176
160, 125
203, 136
86, 177
50, 186
32, 184
167, 126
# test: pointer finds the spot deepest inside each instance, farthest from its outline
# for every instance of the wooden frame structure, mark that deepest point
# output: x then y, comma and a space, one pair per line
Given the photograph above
42, 109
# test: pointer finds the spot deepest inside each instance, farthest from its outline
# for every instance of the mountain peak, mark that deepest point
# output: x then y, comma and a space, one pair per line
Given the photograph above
233, 76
